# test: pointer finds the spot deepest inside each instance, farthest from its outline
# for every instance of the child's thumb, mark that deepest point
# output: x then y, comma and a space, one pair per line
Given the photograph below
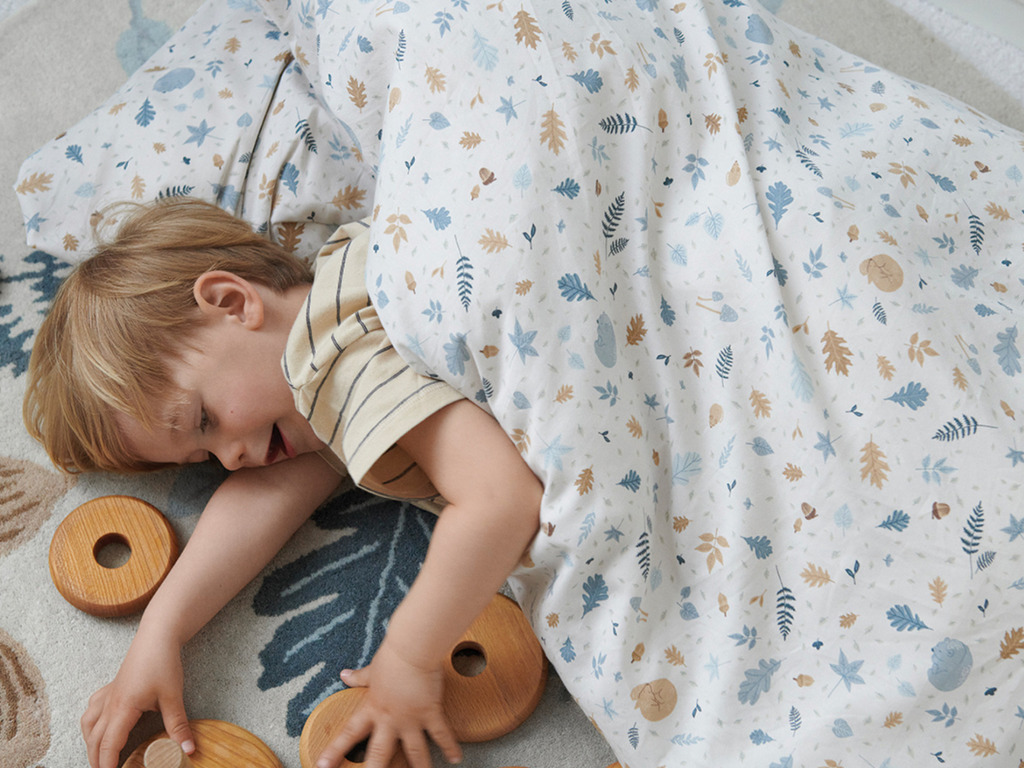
355, 678
176, 725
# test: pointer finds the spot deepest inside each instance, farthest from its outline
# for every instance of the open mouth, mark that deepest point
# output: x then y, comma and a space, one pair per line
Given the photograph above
277, 445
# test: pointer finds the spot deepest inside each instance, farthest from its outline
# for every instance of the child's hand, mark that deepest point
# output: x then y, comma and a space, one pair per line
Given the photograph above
150, 678
402, 704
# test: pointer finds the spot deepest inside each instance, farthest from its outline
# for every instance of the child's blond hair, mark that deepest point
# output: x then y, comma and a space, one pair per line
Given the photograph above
124, 314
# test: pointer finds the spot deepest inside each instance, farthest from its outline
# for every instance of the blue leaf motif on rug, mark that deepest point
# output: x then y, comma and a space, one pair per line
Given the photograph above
43, 281
339, 597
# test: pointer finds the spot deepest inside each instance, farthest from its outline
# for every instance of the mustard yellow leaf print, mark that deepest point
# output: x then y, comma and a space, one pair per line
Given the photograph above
225, 93
585, 481
410, 281
600, 46
553, 131
521, 440
713, 123
527, 31
634, 427
873, 464
815, 576
493, 242
470, 140
159, 147
712, 543
938, 589
893, 719
885, 369
723, 604
961, 141
435, 79
233, 45
917, 350
569, 52
396, 228
635, 330
267, 186
138, 187
1007, 409
1012, 643
565, 394
523, 287
679, 523
981, 746
762, 405
632, 81
792, 472
357, 93
837, 354
70, 242
905, 172
674, 657
394, 98
552, 619
847, 620
289, 234
997, 212
348, 198
34, 182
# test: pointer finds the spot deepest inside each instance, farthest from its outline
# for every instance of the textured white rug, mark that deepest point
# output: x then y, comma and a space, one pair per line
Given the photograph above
59, 61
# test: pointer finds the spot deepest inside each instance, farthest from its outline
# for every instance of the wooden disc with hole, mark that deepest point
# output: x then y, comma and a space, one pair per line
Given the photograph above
478, 708
325, 722
503, 695
219, 744
102, 591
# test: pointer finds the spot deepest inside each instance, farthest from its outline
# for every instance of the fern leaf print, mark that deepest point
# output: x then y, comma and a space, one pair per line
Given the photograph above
613, 215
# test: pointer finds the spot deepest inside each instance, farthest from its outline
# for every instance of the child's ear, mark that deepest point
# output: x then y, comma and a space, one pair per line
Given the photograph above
222, 294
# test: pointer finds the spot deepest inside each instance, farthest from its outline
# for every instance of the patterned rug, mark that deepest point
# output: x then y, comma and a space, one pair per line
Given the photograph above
323, 603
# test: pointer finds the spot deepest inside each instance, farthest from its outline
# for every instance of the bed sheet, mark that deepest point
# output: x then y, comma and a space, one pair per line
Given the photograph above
749, 307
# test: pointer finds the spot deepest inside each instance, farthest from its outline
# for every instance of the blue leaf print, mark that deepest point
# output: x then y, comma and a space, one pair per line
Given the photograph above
520, 401
963, 276
685, 467
567, 652
568, 188
74, 153
761, 546
903, 619
758, 680
456, 353
779, 199
522, 178
1007, 352
437, 121
145, 114
595, 591
847, 671
608, 392
464, 275
439, 217
911, 396
800, 381
945, 184
290, 178
485, 55
824, 445
934, 472
198, 133
679, 72
631, 481
714, 223
759, 737
760, 446
590, 80
897, 521
573, 288
523, 342
781, 114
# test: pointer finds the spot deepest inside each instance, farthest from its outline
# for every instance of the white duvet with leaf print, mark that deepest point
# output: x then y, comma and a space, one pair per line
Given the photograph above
749, 307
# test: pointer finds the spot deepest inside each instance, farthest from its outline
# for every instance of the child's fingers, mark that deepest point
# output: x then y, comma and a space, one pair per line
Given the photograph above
355, 730
381, 748
444, 738
176, 723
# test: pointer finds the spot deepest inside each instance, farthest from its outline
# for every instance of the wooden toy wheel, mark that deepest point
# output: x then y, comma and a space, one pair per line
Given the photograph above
218, 745
101, 590
494, 679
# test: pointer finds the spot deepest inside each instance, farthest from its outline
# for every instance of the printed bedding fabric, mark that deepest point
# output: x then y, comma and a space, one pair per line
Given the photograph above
749, 307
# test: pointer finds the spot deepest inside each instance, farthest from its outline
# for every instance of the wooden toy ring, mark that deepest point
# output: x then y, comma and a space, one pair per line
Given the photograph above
479, 707
219, 744
95, 588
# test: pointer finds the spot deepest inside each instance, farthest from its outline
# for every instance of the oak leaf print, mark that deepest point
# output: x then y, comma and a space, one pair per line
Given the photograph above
553, 131
435, 79
815, 576
348, 198
357, 93
762, 405
1012, 643
885, 369
837, 354
674, 657
636, 330
585, 482
493, 242
873, 464
938, 589
981, 746
527, 31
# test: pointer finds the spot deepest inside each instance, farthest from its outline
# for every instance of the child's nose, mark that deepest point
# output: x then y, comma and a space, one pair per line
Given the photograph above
232, 455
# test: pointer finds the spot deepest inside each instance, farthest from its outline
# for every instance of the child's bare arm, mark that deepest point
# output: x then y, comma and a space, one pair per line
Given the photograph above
493, 514
248, 519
